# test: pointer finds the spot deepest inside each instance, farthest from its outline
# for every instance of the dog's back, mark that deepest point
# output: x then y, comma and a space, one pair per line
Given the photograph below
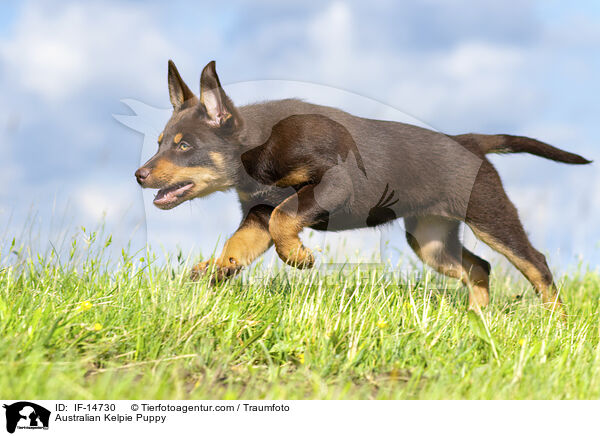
433, 173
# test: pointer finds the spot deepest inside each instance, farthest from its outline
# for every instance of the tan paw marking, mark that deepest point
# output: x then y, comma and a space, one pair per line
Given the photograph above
219, 270
299, 257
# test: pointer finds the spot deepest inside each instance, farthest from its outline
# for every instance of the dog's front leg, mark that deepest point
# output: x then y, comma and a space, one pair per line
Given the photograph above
250, 240
312, 204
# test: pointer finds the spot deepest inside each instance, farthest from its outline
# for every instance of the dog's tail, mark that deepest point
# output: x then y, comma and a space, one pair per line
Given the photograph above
518, 144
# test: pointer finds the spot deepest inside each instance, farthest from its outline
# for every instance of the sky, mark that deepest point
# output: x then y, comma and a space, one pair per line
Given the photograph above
70, 71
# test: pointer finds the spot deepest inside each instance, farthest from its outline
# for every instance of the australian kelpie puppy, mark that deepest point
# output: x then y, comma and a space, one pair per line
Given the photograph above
296, 165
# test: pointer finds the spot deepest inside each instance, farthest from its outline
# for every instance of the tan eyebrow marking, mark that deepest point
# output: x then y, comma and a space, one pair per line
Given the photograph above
217, 159
177, 138
160, 137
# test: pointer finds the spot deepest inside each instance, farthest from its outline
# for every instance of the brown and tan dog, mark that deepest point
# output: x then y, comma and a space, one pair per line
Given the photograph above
296, 165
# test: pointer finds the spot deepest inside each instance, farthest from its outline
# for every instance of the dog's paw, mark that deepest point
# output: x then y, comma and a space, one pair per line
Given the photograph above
219, 270
299, 257
199, 270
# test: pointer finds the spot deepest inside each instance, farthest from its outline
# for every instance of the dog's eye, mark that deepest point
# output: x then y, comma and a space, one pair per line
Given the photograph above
183, 146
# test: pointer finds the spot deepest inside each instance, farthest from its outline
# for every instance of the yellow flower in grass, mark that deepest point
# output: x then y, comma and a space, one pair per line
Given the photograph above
521, 342
406, 305
97, 327
382, 324
85, 306
301, 358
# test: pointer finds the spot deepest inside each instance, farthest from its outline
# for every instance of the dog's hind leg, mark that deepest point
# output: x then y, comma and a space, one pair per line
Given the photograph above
436, 242
494, 220
251, 239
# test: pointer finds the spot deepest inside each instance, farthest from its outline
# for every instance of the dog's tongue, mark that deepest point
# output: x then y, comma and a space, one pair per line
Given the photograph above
169, 195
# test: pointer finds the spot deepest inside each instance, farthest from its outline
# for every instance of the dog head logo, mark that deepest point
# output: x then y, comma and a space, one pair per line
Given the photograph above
26, 415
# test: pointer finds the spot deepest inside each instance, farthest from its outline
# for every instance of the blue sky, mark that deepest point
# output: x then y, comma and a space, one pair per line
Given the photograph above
522, 67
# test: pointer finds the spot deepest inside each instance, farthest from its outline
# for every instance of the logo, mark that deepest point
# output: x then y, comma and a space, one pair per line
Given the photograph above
26, 415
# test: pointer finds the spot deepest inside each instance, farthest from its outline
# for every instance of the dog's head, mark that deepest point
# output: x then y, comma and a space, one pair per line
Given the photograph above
197, 146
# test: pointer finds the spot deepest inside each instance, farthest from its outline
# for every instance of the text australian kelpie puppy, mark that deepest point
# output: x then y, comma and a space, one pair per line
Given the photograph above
296, 165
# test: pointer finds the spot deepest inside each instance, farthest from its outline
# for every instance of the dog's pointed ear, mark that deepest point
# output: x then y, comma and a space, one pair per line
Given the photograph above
219, 108
179, 92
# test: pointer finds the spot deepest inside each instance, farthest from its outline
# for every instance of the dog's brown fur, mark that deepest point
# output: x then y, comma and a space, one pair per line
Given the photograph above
296, 165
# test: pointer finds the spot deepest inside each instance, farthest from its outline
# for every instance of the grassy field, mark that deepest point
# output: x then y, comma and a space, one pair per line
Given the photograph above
128, 329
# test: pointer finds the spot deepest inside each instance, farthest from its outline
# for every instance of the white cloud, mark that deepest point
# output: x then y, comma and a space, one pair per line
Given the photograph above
12, 173
330, 33
97, 200
470, 84
55, 52
472, 60
472, 80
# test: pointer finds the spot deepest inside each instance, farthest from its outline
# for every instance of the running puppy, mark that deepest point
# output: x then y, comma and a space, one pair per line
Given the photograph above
296, 165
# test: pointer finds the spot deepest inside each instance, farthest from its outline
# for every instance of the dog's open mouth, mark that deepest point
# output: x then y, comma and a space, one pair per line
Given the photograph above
172, 195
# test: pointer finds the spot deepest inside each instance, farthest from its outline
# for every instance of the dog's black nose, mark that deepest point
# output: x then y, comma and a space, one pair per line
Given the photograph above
141, 174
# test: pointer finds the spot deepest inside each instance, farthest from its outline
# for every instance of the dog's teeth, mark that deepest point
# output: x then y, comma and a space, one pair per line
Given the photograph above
171, 194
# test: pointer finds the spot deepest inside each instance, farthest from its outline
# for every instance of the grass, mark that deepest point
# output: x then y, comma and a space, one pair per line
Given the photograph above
131, 329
